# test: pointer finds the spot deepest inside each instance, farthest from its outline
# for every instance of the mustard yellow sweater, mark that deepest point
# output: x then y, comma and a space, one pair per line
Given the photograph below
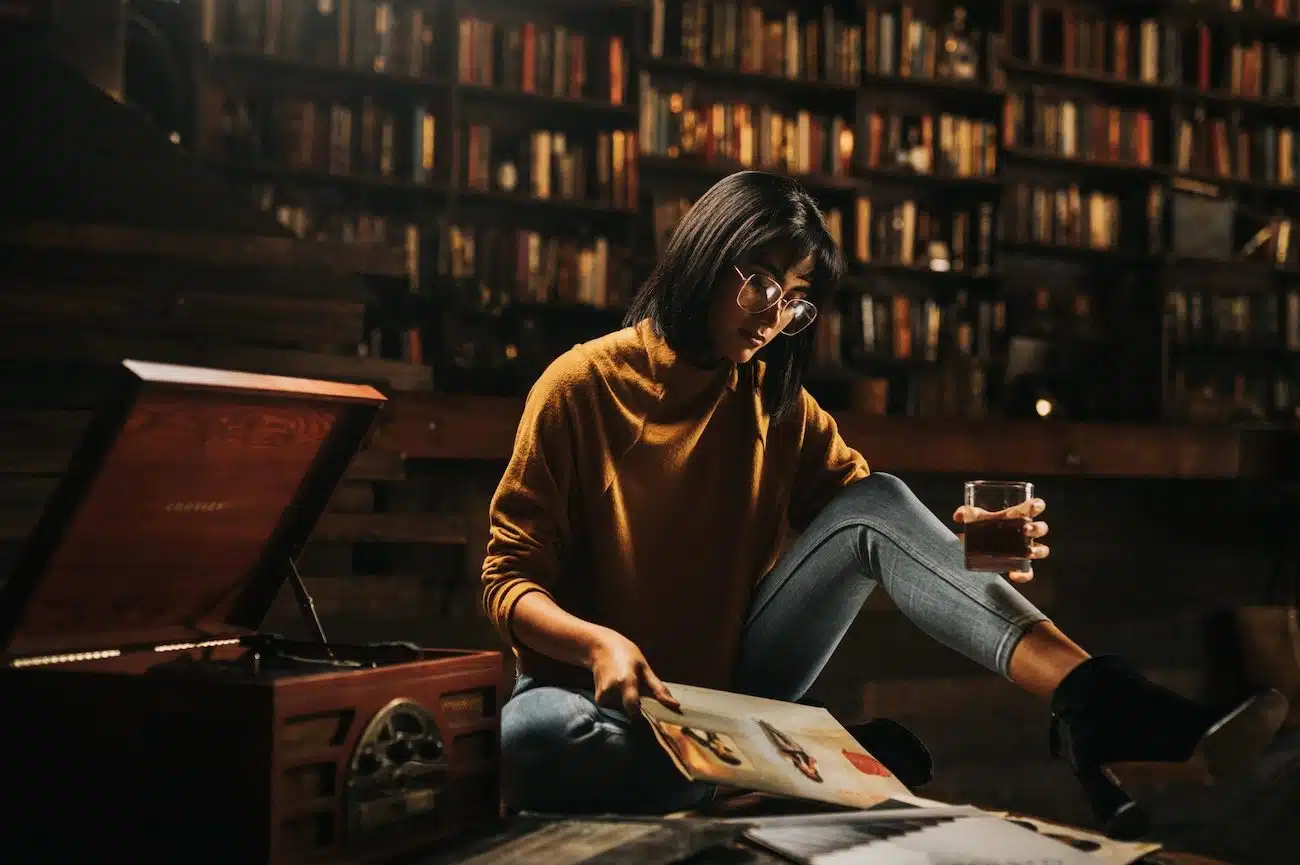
649, 495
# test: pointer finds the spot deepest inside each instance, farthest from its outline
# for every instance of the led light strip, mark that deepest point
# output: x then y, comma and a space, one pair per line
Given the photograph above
207, 644
44, 660
74, 657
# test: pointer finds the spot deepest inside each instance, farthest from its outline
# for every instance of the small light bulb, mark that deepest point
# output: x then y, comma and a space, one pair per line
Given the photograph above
1043, 407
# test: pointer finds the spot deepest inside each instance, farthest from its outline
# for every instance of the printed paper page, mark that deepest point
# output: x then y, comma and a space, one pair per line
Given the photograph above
756, 744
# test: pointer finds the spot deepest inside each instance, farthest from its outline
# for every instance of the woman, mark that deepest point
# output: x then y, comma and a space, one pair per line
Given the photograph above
636, 531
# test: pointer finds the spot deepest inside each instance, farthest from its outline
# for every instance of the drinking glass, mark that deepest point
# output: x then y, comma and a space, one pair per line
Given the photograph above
995, 541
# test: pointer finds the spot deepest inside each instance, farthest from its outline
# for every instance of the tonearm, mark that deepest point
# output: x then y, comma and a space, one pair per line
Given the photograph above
307, 606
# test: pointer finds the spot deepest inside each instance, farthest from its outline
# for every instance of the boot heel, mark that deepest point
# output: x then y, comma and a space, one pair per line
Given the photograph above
1120, 817
1238, 739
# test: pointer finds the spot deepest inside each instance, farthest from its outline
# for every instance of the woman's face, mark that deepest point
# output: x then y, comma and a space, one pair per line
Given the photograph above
738, 334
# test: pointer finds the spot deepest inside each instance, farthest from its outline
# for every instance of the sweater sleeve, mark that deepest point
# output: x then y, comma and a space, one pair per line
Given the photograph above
529, 523
826, 464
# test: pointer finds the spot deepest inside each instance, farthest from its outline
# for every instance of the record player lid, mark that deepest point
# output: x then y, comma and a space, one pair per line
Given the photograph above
181, 509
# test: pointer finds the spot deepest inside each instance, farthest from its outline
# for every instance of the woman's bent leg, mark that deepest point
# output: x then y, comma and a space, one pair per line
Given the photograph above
876, 532
561, 753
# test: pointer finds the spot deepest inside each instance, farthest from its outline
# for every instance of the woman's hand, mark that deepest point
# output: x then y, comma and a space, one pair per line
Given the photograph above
1034, 528
622, 676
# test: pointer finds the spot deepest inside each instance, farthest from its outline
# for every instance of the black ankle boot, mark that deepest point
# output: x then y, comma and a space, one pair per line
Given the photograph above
892, 744
898, 748
1106, 713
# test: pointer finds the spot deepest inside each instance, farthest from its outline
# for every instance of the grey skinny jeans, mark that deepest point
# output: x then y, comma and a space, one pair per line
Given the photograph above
562, 753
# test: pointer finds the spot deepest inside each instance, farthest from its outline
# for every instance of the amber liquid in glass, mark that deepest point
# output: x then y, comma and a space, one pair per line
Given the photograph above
997, 544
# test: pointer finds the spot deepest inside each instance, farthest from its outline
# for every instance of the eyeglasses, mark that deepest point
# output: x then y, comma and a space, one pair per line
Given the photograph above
760, 292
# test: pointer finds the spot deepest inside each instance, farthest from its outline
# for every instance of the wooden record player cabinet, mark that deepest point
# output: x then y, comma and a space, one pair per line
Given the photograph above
144, 716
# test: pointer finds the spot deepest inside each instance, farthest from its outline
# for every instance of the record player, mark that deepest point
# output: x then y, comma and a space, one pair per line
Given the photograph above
144, 715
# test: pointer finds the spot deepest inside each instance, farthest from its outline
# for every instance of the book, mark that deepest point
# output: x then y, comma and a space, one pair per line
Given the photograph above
768, 746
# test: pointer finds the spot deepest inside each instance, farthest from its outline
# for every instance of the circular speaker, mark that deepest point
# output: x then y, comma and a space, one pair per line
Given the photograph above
397, 770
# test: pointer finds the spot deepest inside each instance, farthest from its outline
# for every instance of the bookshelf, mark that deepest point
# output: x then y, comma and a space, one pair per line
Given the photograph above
1038, 201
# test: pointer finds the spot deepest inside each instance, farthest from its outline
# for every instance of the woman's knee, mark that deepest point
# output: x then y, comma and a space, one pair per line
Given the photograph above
876, 490
557, 748
544, 723
560, 752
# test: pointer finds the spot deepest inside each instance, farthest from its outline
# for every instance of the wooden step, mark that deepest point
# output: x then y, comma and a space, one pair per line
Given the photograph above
38, 306
39, 441
108, 352
391, 528
214, 250
372, 465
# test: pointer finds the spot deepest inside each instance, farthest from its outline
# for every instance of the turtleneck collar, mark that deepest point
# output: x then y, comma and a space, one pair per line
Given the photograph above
670, 369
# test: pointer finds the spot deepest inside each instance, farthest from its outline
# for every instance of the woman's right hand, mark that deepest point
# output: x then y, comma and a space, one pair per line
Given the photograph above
622, 676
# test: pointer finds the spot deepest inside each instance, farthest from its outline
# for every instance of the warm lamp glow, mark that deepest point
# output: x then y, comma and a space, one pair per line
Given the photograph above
1043, 407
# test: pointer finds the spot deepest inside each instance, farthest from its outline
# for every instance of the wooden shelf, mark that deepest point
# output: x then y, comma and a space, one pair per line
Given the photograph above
986, 184
357, 184
1150, 89
543, 102
300, 71
519, 199
1082, 254
454, 427
979, 92
861, 276
1123, 170
714, 170
672, 66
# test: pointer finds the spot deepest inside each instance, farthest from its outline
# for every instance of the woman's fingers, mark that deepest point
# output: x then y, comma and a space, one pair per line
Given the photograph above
631, 699
659, 690
968, 514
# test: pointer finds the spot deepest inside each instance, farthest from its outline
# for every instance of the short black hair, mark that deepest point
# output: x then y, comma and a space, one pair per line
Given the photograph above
738, 217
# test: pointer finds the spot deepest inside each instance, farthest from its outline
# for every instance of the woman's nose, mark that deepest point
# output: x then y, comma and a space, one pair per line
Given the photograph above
772, 315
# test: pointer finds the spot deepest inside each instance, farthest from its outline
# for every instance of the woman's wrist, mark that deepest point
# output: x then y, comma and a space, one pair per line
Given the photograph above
594, 639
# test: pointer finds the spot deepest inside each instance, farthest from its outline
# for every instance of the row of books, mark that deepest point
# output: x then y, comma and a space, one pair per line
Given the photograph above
900, 327
548, 165
752, 136
909, 234
675, 124
1062, 216
961, 146
541, 59
817, 44
395, 38
527, 266
901, 233
365, 138
1225, 147
1212, 394
1203, 143
1082, 40
1075, 129
1259, 320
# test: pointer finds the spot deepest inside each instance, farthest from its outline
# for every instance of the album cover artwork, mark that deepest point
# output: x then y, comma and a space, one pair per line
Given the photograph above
1103, 850
768, 746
